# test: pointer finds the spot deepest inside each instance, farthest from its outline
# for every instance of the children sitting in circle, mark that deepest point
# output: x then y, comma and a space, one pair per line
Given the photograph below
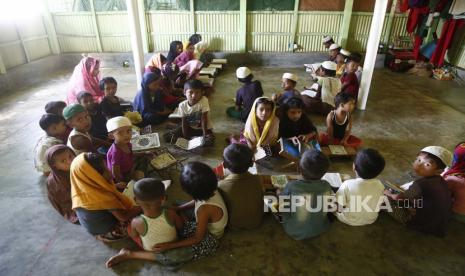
246, 95
339, 123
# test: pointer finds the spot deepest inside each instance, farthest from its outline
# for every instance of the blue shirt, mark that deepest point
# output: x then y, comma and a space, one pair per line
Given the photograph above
303, 224
287, 94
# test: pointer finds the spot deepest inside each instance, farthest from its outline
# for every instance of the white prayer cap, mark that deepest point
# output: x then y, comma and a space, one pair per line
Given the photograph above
243, 72
329, 65
327, 39
441, 153
117, 122
334, 46
344, 52
290, 76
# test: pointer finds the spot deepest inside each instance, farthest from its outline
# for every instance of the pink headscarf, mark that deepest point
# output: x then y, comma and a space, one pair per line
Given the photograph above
183, 58
192, 68
83, 80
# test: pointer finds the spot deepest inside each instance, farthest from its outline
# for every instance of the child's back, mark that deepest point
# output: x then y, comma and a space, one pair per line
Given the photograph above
246, 95
216, 228
302, 223
158, 230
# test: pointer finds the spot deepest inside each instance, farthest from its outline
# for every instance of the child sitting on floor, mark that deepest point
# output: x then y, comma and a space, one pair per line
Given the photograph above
194, 113
185, 56
294, 123
241, 191
246, 95
110, 104
333, 51
339, 123
211, 216
59, 158
289, 83
98, 121
341, 59
368, 164
302, 224
56, 107
54, 127
262, 126
80, 140
426, 205
156, 225
327, 41
120, 158
349, 80
455, 178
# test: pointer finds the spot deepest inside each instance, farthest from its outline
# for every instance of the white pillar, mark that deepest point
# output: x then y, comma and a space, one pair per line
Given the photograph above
136, 39
372, 49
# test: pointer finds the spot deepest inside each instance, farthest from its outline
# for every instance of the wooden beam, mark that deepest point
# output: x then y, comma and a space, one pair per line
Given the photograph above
143, 25
136, 39
345, 24
243, 26
18, 33
95, 26
50, 28
392, 14
192, 10
295, 18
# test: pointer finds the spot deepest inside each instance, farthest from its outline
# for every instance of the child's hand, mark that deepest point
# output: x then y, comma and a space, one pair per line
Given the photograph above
160, 247
121, 185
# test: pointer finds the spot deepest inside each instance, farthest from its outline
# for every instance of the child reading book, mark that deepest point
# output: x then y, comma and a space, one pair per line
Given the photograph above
246, 95
289, 82
241, 191
156, 225
302, 224
339, 123
54, 127
294, 123
426, 205
368, 164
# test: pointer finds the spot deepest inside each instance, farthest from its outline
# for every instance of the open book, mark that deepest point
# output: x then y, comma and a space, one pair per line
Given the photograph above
309, 93
219, 60
337, 150
216, 66
129, 191
145, 142
394, 187
293, 148
312, 67
334, 179
206, 80
163, 160
189, 144
279, 181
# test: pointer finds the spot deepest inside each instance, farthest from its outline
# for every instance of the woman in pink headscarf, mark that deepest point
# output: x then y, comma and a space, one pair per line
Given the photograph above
192, 68
86, 77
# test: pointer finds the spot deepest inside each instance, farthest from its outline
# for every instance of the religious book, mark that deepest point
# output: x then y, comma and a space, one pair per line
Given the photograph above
145, 142
394, 187
210, 71
189, 144
216, 66
334, 179
309, 93
163, 161
279, 181
206, 80
219, 61
337, 150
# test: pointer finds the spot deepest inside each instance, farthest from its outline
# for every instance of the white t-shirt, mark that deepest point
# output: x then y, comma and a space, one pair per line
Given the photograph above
193, 114
355, 194
45, 142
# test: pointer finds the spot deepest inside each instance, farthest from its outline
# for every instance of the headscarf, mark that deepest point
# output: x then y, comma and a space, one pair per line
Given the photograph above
458, 162
192, 68
200, 48
183, 58
143, 102
59, 185
270, 132
91, 191
172, 54
155, 62
83, 80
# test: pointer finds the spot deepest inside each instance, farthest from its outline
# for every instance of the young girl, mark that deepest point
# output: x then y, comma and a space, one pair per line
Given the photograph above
341, 62
149, 101
173, 94
110, 105
191, 69
185, 56
262, 126
120, 158
293, 123
85, 77
211, 215
339, 123
455, 178
175, 50
102, 210
59, 159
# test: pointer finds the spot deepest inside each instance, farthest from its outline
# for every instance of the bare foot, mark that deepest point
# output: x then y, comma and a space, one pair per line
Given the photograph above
122, 256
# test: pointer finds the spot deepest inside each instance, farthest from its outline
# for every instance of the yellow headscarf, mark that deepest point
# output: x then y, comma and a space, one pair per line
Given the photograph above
155, 61
270, 131
91, 191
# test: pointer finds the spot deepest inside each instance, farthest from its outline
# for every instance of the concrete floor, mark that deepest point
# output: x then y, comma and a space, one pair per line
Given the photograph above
404, 114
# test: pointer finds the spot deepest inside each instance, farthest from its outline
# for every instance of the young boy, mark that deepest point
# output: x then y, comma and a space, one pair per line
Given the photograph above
156, 225
303, 224
194, 112
120, 158
54, 127
368, 164
426, 205
110, 104
341, 59
289, 82
246, 95
327, 41
98, 127
79, 139
349, 79
241, 191
333, 51
56, 107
